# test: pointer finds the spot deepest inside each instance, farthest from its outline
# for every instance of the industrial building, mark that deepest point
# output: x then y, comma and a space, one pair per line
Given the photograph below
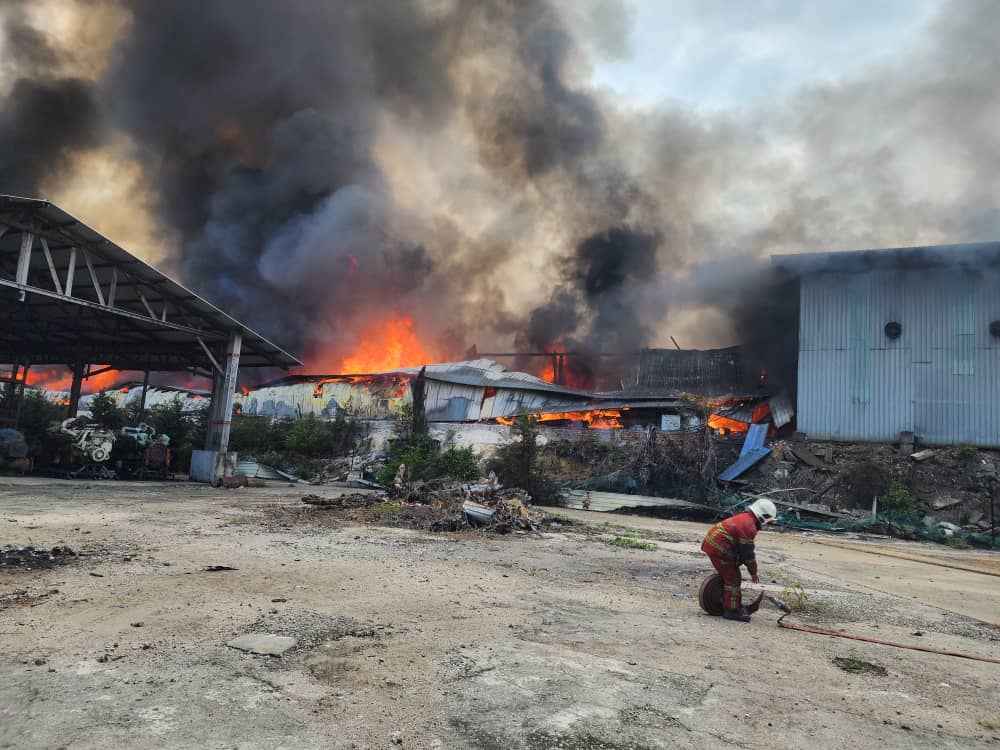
903, 340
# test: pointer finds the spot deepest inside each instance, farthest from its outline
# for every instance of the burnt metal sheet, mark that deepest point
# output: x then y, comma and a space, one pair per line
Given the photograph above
754, 439
705, 372
608, 502
251, 469
741, 413
744, 462
782, 410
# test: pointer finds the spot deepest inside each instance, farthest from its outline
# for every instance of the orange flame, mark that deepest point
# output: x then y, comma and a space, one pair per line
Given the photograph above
569, 376
549, 373
594, 419
760, 413
60, 379
717, 422
385, 345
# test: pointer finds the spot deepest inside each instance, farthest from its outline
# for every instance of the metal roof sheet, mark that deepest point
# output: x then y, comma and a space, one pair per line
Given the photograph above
744, 462
782, 410
754, 439
607, 502
976, 254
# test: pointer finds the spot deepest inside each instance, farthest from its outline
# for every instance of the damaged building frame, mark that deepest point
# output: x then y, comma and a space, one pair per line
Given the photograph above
71, 297
898, 341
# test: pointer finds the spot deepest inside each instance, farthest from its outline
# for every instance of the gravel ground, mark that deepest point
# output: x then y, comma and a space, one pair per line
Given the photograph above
408, 639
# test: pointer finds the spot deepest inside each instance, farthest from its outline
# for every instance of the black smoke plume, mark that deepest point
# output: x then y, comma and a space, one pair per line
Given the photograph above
45, 116
324, 164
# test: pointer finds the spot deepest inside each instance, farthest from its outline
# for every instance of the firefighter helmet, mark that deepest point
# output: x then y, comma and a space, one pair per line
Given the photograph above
764, 510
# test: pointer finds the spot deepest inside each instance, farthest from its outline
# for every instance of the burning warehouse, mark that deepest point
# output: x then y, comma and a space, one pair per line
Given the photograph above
904, 340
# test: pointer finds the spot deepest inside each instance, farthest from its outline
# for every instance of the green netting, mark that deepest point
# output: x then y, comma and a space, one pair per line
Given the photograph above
888, 524
682, 487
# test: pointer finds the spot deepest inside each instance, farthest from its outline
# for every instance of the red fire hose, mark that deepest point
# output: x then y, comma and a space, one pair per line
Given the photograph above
835, 634
710, 598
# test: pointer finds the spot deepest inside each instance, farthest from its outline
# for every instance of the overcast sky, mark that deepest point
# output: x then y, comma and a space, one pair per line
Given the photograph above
719, 54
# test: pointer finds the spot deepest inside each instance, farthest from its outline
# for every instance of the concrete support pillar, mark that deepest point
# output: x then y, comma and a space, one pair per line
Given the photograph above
220, 414
74, 389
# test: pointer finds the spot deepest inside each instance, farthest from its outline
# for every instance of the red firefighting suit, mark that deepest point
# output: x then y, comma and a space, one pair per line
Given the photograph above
728, 545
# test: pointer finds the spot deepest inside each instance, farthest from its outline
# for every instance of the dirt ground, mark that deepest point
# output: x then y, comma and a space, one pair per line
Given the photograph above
408, 639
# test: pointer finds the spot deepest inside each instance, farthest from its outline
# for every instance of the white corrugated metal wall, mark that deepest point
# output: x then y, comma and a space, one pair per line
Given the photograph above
940, 378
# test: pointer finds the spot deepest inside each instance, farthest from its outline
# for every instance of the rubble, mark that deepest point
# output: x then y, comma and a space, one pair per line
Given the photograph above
439, 505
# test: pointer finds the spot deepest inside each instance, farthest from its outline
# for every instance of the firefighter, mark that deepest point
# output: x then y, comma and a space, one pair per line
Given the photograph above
729, 544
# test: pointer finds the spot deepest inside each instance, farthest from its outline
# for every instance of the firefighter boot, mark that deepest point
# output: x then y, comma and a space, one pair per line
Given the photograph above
735, 614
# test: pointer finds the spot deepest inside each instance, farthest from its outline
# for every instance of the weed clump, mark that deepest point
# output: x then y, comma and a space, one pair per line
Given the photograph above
859, 666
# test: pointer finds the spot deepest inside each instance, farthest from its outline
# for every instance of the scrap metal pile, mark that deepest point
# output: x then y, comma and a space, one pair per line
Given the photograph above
78, 447
441, 506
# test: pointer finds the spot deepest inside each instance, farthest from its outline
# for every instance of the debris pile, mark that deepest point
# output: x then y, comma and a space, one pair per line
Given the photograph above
31, 558
440, 506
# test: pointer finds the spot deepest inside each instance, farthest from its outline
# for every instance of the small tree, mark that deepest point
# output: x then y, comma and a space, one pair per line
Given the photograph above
104, 410
37, 415
517, 464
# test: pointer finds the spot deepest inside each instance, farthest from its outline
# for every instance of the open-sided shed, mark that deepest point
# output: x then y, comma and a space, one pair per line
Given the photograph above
70, 296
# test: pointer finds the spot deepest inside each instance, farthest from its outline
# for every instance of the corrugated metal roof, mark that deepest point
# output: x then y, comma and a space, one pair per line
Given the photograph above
607, 502
975, 255
744, 462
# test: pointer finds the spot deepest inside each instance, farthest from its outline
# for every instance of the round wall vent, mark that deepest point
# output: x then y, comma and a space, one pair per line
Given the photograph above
893, 329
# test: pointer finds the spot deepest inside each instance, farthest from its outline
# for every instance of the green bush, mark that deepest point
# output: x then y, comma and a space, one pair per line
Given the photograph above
256, 436
311, 436
899, 502
425, 460
459, 463
416, 451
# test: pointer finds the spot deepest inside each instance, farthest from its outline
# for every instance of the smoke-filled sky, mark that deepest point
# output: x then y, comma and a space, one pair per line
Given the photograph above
509, 173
